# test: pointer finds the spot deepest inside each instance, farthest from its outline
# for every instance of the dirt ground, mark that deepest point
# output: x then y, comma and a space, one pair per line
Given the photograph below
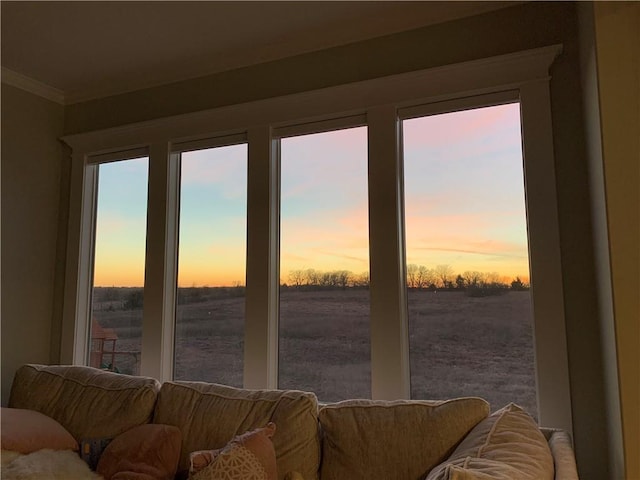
460, 345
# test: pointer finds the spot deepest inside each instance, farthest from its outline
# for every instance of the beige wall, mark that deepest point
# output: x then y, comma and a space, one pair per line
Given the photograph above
517, 28
31, 158
617, 33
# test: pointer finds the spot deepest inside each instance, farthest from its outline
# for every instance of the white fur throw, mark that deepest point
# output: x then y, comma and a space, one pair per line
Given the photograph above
46, 465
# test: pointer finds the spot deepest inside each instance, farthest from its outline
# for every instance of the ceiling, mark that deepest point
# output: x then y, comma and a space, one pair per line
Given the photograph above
81, 50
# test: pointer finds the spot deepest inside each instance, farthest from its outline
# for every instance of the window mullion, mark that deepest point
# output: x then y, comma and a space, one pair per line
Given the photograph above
160, 264
389, 331
261, 311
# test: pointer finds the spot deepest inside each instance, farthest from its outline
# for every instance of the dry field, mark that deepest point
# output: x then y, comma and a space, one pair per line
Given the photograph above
460, 345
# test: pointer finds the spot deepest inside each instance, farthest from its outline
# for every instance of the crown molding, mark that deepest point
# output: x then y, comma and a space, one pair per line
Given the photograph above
30, 85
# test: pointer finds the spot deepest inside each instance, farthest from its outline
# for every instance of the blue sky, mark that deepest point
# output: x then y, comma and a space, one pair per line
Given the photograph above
121, 223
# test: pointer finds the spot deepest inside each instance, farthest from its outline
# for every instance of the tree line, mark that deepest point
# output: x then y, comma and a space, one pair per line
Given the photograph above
418, 277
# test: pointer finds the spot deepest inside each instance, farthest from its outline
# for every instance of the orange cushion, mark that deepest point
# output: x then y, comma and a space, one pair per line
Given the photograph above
249, 456
146, 452
26, 431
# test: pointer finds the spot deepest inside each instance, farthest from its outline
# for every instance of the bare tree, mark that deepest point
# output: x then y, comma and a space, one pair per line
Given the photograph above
493, 279
473, 279
312, 277
296, 277
361, 280
425, 277
412, 272
444, 273
343, 278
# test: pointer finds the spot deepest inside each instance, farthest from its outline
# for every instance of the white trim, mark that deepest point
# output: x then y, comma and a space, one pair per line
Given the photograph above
118, 156
79, 268
320, 126
390, 375
550, 337
458, 104
160, 264
262, 290
203, 143
30, 85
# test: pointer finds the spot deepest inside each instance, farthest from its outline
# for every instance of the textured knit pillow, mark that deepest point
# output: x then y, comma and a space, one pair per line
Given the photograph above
249, 456
144, 452
26, 431
507, 445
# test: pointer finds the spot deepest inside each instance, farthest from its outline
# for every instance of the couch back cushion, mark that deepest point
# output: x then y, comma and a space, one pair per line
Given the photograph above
393, 440
88, 402
210, 415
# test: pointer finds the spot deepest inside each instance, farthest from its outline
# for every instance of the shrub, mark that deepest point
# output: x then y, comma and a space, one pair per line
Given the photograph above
486, 290
134, 299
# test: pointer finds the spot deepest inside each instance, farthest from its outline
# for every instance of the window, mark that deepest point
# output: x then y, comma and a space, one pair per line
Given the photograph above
118, 268
211, 265
324, 265
470, 319
276, 135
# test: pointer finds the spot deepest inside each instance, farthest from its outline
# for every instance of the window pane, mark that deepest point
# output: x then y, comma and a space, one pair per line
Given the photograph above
470, 316
324, 265
118, 274
211, 265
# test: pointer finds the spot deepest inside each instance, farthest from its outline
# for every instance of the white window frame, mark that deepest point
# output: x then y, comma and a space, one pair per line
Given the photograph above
170, 251
383, 102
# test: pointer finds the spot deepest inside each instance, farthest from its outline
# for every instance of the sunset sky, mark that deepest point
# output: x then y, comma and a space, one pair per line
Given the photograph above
464, 191
464, 203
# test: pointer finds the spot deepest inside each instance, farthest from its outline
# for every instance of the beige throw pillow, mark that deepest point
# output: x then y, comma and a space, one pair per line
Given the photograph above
505, 446
393, 440
249, 456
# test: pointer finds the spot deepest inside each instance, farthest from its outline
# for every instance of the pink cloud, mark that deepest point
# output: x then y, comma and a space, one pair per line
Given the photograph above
470, 125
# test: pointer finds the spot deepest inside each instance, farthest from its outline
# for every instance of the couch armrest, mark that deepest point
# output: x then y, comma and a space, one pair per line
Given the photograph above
563, 457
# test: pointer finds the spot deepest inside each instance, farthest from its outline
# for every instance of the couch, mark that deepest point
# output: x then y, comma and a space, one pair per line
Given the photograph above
353, 439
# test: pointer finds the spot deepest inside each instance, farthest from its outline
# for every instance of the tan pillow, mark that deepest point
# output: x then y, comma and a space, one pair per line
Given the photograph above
26, 431
506, 445
394, 440
249, 456
210, 415
146, 452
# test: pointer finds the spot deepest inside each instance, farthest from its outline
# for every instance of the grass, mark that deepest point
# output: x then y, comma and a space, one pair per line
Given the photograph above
460, 345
